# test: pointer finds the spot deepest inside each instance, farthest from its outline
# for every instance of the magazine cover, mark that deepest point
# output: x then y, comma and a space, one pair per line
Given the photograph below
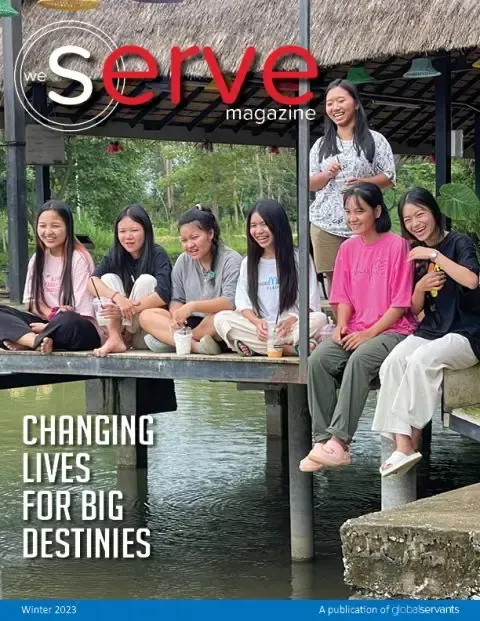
239, 309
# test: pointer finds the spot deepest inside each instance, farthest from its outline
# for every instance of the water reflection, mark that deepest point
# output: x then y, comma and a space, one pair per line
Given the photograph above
216, 503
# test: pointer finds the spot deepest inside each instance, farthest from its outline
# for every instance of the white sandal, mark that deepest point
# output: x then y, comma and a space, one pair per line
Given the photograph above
399, 463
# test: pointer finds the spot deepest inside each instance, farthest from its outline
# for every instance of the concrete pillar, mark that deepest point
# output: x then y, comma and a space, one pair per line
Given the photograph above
397, 491
301, 483
276, 411
133, 484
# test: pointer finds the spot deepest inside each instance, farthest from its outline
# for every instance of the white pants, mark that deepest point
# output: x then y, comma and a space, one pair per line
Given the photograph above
411, 381
233, 326
143, 286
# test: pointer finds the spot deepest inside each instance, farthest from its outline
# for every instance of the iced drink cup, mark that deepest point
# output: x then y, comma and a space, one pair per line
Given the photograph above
274, 343
99, 305
183, 341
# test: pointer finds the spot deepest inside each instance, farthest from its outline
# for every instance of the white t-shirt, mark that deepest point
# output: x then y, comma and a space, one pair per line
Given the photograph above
269, 289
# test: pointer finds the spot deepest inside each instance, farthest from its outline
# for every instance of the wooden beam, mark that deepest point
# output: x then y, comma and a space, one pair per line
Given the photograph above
148, 108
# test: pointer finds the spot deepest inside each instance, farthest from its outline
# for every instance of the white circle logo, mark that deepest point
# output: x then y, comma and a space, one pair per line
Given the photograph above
70, 28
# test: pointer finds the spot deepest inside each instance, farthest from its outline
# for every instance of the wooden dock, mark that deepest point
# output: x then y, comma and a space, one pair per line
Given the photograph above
120, 390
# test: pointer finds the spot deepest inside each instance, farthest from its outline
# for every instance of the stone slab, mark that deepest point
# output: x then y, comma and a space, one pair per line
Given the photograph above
426, 549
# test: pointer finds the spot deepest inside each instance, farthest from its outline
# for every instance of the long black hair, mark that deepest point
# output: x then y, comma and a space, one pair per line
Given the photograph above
205, 219
362, 137
373, 196
424, 199
66, 289
276, 219
123, 262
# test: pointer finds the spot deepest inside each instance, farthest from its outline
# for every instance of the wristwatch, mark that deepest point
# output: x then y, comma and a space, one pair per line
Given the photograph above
434, 255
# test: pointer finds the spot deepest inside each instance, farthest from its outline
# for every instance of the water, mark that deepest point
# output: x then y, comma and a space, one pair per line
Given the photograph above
216, 506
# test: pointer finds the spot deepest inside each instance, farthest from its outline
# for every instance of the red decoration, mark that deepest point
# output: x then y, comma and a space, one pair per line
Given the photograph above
274, 151
431, 158
114, 148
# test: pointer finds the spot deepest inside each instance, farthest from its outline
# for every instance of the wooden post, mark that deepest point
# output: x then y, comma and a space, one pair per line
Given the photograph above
301, 483
276, 412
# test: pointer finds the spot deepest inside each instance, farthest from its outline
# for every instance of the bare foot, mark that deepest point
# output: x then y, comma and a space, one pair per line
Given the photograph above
12, 346
111, 346
46, 346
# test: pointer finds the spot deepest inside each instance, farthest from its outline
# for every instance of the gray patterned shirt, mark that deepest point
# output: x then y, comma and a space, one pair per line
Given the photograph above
326, 211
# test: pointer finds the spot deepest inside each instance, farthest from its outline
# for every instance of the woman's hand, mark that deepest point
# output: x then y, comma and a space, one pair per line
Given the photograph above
355, 339
180, 315
352, 180
262, 329
433, 281
37, 327
111, 311
421, 253
338, 333
285, 327
128, 308
333, 169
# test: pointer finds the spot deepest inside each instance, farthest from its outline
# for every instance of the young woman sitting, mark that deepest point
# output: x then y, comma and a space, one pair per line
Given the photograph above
204, 279
267, 290
448, 337
372, 293
60, 311
135, 276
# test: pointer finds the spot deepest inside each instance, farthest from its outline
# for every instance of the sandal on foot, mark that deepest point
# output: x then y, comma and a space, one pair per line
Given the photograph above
331, 454
208, 346
237, 346
308, 465
157, 346
399, 463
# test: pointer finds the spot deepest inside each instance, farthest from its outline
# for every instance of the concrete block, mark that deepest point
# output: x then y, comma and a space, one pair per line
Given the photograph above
428, 549
461, 388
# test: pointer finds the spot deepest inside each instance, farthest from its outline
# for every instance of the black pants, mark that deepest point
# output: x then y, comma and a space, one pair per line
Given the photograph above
69, 331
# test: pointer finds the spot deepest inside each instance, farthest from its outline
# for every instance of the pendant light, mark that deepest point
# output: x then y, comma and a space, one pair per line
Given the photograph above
69, 5
422, 68
6, 10
476, 64
359, 75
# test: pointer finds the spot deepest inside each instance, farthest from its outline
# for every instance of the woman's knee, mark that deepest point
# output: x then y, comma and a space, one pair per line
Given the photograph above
222, 319
153, 315
146, 280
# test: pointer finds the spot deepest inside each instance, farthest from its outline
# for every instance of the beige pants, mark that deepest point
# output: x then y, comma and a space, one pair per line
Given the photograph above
233, 326
411, 381
325, 249
143, 286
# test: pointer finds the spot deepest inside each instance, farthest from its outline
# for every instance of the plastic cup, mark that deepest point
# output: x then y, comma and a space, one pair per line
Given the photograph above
99, 305
274, 343
183, 341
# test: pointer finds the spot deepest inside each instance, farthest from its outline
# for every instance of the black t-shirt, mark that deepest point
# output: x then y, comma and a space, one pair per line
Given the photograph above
161, 269
455, 309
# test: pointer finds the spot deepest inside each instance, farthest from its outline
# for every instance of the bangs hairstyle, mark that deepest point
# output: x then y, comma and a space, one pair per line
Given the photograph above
204, 218
424, 199
373, 196
123, 262
66, 296
276, 219
362, 137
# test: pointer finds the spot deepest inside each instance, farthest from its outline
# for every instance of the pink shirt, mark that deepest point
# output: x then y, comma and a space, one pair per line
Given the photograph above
82, 268
372, 278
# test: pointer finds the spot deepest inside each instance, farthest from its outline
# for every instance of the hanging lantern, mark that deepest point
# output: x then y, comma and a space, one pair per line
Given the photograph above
69, 5
6, 10
273, 151
422, 68
476, 64
359, 75
114, 148
431, 158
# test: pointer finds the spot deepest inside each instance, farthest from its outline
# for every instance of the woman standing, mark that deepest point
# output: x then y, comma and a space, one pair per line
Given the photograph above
135, 276
348, 153
448, 337
372, 294
60, 310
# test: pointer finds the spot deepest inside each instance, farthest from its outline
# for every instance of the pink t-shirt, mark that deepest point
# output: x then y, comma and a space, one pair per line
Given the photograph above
82, 268
372, 278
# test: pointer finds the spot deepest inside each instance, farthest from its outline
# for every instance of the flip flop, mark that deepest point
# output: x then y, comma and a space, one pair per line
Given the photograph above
398, 463
209, 346
236, 346
157, 346
331, 454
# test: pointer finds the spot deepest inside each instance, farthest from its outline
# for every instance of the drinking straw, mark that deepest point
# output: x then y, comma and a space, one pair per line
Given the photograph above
96, 291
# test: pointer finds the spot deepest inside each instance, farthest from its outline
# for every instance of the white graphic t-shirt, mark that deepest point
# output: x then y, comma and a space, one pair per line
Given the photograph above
269, 290
326, 211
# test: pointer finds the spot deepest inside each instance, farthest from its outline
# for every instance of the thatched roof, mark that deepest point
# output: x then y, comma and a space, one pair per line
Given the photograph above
342, 31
